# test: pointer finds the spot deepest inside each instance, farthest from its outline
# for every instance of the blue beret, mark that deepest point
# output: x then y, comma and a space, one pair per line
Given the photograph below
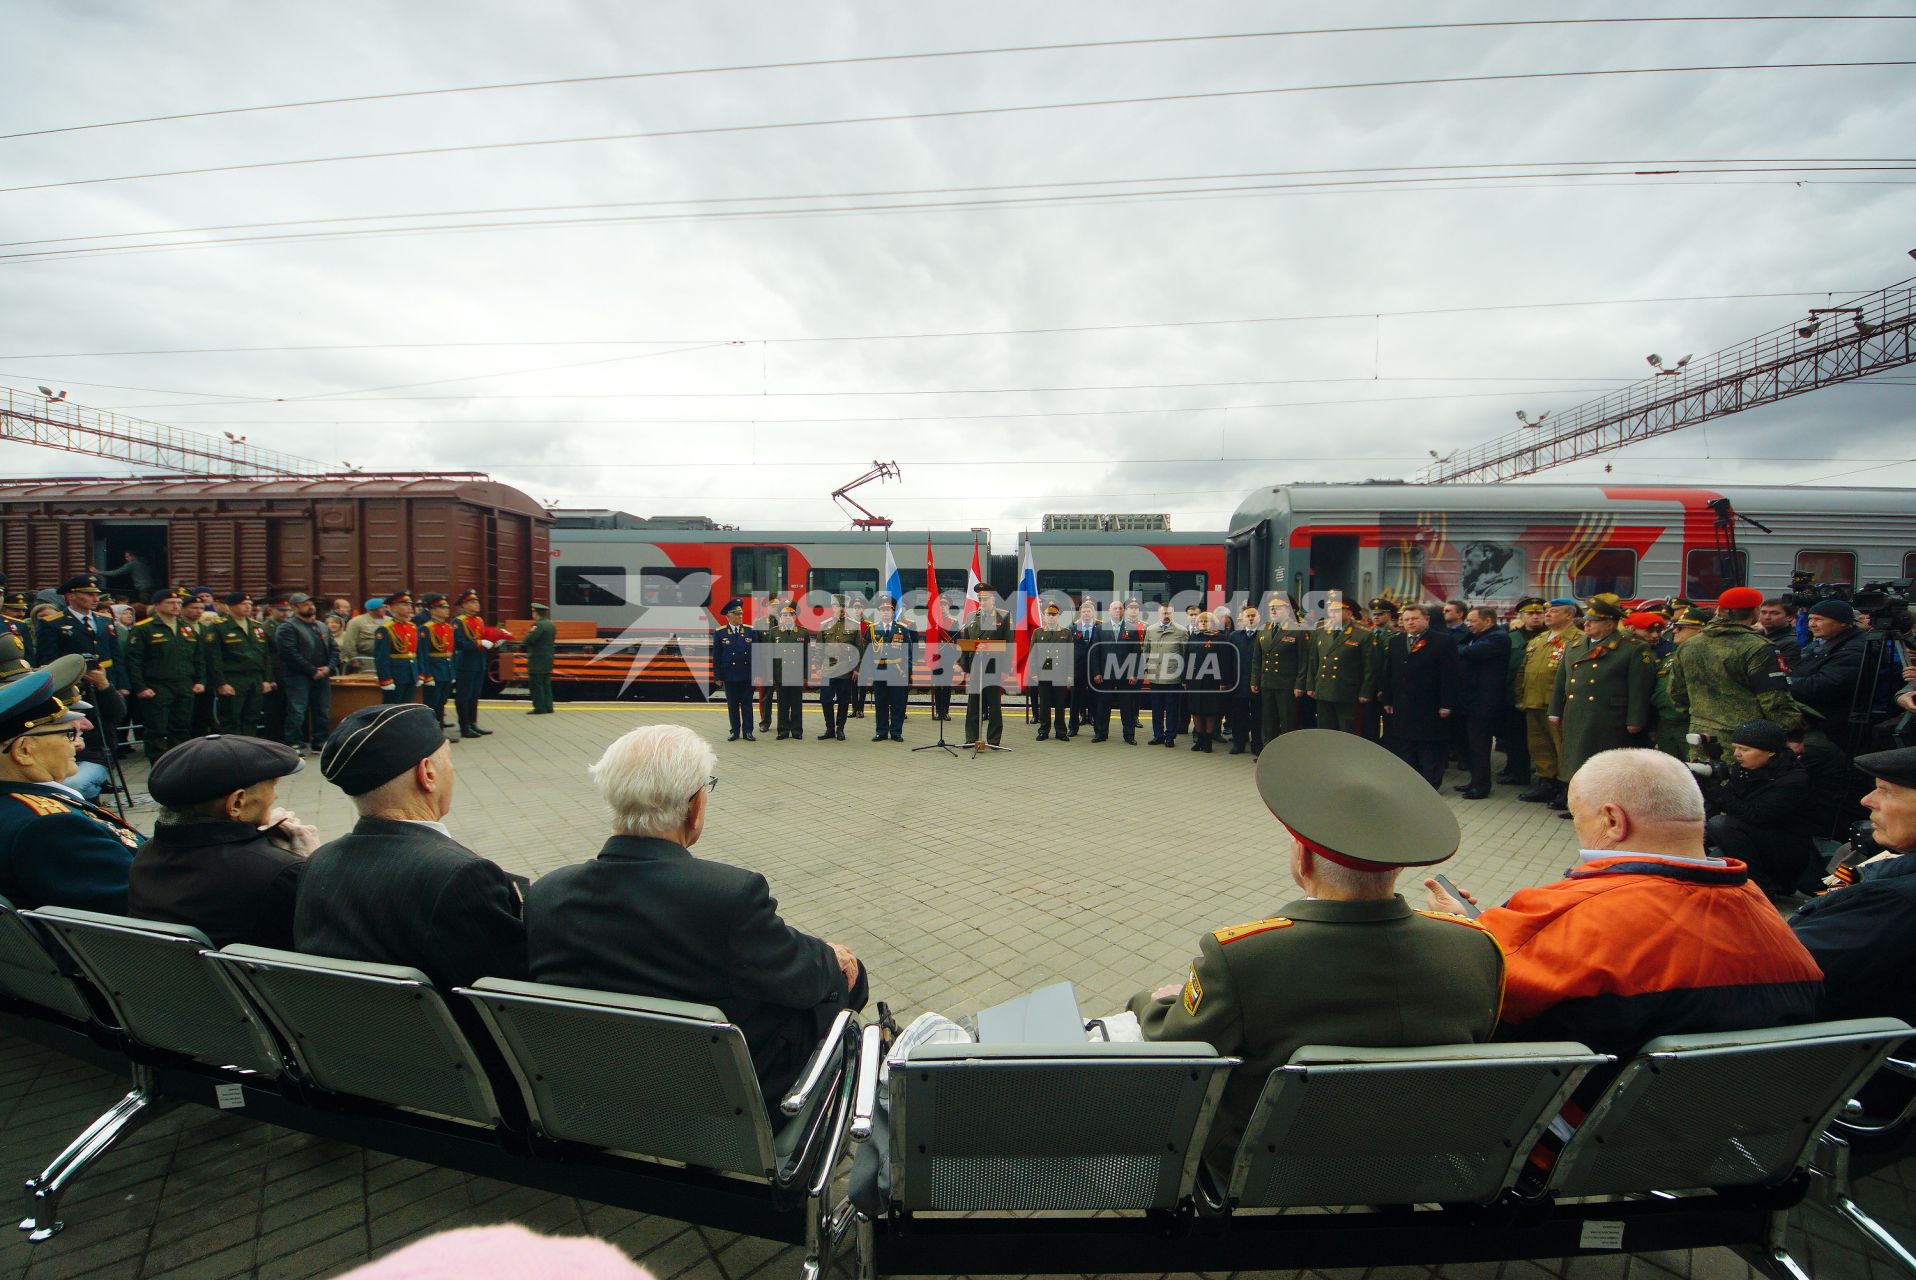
373, 603
1565, 602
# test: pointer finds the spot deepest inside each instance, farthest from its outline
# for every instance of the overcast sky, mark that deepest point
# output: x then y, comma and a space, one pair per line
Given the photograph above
692, 389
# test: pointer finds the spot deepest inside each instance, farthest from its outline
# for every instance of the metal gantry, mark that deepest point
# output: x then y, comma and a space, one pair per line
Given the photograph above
1835, 344
61, 424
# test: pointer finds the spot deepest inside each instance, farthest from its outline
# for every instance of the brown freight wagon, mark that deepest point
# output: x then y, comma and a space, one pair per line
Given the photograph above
354, 536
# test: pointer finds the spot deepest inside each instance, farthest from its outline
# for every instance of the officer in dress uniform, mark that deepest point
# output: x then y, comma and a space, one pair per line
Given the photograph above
1349, 963
1538, 681
541, 638
56, 849
1338, 679
194, 613
1602, 695
396, 651
438, 659
164, 669
788, 673
985, 697
13, 616
470, 645
238, 663
837, 654
1048, 670
886, 668
863, 626
1277, 668
732, 668
1372, 723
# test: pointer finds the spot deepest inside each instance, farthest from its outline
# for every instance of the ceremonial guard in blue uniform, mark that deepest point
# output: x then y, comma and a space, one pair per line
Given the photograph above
396, 651
732, 667
436, 670
470, 645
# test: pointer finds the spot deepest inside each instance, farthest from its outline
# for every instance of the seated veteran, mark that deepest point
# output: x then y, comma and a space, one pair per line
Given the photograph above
56, 850
224, 857
397, 888
1647, 935
648, 918
1348, 963
88, 777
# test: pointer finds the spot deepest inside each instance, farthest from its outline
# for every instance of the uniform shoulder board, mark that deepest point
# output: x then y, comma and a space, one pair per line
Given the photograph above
147, 621
1232, 933
1448, 918
42, 806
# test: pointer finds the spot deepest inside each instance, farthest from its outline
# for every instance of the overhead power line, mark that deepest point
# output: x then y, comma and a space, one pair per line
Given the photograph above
953, 114
870, 59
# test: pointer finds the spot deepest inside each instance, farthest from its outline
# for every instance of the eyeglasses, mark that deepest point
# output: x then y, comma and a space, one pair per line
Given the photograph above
711, 785
71, 735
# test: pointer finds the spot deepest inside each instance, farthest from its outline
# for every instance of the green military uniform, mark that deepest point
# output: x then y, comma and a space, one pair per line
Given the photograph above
988, 705
1048, 676
1338, 673
788, 675
165, 659
1728, 674
840, 641
1369, 972
1279, 653
541, 636
1673, 722
237, 656
1535, 685
1603, 689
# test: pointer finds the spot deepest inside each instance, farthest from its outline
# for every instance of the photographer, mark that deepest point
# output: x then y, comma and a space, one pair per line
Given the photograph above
1760, 808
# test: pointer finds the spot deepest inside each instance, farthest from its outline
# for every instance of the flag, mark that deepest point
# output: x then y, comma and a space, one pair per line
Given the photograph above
1024, 611
894, 584
972, 579
934, 608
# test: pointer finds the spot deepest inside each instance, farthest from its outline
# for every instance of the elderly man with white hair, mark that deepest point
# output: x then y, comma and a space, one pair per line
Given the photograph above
647, 918
1647, 935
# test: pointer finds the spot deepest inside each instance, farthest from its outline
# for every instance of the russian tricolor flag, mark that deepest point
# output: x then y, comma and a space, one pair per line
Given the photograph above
1024, 610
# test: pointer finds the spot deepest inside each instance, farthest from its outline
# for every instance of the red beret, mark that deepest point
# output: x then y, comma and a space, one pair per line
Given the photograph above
1740, 598
1644, 620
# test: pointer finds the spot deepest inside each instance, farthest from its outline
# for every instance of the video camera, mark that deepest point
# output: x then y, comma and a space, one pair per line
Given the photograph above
1805, 590
1887, 604
1714, 768
1846, 863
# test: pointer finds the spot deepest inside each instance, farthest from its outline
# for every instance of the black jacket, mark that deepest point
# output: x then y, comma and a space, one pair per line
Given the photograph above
1486, 674
647, 918
400, 893
1864, 937
303, 646
1825, 678
1788, 647
1765, 818
223, 878
1417, 685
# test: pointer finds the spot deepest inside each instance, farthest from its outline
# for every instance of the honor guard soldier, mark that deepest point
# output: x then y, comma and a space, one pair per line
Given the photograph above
1604, 684
1337, 679
836, 654
732, 668
788, 673
1278, 667
1535, 686
396, 651
437, 658
541, 638
470, 645
56, 850
1048, 671
984, 696
1348, 963
887, 669
1731, 673
239, 664
163, 668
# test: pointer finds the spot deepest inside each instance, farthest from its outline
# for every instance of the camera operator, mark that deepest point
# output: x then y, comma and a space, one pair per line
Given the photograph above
1832, 665
1760, 807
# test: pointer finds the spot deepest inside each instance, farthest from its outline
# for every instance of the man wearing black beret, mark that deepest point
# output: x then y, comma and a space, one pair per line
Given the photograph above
397, 888
224, 857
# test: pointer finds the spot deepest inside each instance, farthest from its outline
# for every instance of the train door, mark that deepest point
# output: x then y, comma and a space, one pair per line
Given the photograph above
1334, 564
144, 540
758, 571
1247, 564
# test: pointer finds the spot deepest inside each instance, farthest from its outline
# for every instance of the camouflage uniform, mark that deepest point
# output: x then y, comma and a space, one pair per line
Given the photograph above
1729, 674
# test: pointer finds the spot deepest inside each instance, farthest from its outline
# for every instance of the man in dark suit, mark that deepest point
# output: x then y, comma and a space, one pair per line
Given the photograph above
1418, 689
397, 888
1485, 697
1085, 632
647, 918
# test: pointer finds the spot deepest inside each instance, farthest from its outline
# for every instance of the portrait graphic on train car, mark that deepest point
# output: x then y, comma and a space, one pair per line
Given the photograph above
1492, 571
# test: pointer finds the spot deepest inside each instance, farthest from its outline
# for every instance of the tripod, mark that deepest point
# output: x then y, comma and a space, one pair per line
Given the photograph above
941, 744
107, 727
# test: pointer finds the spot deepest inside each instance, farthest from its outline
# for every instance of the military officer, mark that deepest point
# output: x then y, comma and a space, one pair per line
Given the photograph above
13, 617
194, 613
984, 692
273, 705
470, 646
396, 651
886, 668
788, 673
732, 668
540, 639
1604, 684
863, 626
1383, 626
1048, 671
1731, 672
1513, 730
1673, 722
1538, 681
79, 629
1348, 963
837, 651
1278, 667
56, 850
164, 670
1338, 680
437, 657
238, 665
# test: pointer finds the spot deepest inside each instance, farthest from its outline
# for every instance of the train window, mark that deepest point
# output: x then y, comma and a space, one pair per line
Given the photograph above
1404, 571
1828, 566
669, 585
1708, 573
590, 586
1077, 583
857, 582
1164, 585
756, 569
1909, 564
1612, 569
948, 580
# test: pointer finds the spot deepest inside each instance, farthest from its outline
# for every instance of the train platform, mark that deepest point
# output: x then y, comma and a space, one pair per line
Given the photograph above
960, 881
